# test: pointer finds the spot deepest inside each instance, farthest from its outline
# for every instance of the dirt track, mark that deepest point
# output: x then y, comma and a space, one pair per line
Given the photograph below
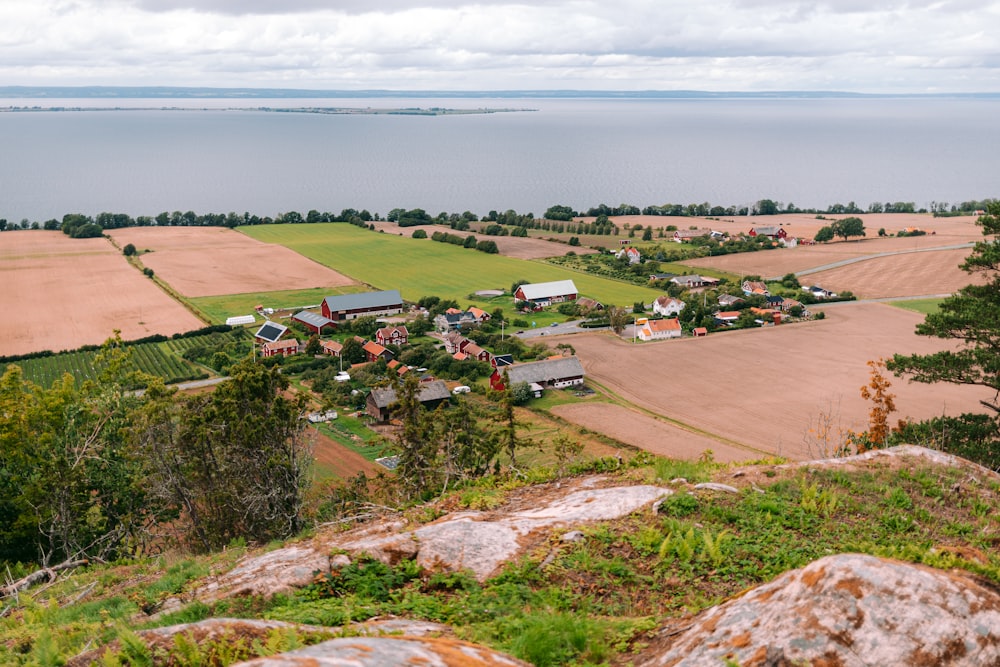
765, 388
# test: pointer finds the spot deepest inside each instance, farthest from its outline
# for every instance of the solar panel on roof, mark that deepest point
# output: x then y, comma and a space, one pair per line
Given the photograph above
271, 331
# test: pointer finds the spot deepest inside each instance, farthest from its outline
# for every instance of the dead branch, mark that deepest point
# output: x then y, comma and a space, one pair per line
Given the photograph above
45, 573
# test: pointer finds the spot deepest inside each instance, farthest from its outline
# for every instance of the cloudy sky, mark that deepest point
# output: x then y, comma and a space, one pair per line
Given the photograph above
890, 46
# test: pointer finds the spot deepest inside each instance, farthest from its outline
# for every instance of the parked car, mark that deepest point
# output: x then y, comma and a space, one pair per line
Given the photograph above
461, 389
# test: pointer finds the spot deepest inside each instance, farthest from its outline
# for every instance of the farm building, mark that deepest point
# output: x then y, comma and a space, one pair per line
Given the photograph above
668, 306
544, 294
392, 336
240, 320
380, 401
692, 281
657, 329
270, 332
352, 306
332, 347
280, 348
559, 372
313, 321
374, 351
775, 233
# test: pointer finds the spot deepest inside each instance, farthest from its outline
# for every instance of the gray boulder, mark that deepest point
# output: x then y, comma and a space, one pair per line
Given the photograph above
848, 610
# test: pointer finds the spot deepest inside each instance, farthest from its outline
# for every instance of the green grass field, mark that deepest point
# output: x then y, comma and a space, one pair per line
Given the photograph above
421, 267
218, 308
925, 306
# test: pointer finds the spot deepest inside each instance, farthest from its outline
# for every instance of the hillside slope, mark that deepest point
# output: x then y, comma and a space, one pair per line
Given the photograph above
617, 565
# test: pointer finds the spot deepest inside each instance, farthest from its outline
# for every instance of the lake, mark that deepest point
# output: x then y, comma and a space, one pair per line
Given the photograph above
225, 155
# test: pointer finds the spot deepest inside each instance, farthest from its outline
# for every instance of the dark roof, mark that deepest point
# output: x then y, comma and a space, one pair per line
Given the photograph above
271, 331
548, 370
313, 319
434, 390
385, 298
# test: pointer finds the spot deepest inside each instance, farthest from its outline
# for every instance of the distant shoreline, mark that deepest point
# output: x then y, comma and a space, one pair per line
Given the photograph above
354, 111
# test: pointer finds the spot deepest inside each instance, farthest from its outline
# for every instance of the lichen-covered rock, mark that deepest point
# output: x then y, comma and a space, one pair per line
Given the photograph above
845, 611
389, 652
478, 541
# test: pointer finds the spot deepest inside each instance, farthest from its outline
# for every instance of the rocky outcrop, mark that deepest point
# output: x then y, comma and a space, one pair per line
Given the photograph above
848, 610
481, 542
389, 652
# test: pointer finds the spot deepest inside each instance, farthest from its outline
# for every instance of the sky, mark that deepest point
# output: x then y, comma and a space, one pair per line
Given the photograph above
866, 46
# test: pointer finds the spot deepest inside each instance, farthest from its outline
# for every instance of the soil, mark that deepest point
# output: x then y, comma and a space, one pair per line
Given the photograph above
214, 261
339, 460
60, 293
651, 434
770, 389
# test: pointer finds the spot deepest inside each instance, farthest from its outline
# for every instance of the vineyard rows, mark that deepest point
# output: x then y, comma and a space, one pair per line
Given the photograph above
159, 359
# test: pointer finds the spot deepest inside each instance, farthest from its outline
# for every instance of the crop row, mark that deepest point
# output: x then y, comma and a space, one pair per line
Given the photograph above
157, 359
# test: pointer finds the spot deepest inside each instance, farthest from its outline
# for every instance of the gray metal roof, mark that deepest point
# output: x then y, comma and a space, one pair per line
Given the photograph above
313, 319
550, 370
385, 298
434, 390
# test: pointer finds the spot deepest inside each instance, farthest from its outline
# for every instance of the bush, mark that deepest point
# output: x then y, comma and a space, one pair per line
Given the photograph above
129, 250
419, 234
148, 272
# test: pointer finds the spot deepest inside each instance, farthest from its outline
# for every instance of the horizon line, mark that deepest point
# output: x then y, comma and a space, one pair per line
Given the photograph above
105, 91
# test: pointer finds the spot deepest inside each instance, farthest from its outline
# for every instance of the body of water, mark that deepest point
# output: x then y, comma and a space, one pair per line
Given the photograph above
214, 157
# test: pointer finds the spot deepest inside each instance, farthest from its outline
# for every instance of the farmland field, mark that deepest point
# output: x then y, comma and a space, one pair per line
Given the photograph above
218, 308
424, 267
765, 388
212, 261
60, 293
162, 359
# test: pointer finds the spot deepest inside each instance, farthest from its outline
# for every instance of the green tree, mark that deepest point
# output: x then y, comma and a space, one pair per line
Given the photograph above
647, 234
71, 484
970, 318
235, 461
849, 227
824, 234
617, 318
419, 461
128, 250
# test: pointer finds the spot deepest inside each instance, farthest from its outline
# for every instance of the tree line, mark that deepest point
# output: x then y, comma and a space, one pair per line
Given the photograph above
78, 224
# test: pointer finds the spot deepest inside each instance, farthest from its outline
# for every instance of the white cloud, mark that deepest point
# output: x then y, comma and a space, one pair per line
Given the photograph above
863, 45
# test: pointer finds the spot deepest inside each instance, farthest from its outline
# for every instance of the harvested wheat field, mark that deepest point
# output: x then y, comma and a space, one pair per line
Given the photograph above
948, 233
928, 273
214, 261
650, 434
765, 388
520, 247
60, 293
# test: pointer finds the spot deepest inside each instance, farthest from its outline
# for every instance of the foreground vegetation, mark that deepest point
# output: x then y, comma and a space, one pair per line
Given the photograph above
594, 601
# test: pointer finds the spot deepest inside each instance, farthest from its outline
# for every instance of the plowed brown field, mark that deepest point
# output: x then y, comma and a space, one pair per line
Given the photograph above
765, 388
60, 293
213, 261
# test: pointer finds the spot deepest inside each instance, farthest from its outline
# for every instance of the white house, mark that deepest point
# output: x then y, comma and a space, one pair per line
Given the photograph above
647, 329
668, 306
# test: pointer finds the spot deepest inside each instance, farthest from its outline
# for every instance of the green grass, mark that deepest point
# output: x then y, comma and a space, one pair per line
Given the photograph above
925, 306
421, 267
591, 602
218, 308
